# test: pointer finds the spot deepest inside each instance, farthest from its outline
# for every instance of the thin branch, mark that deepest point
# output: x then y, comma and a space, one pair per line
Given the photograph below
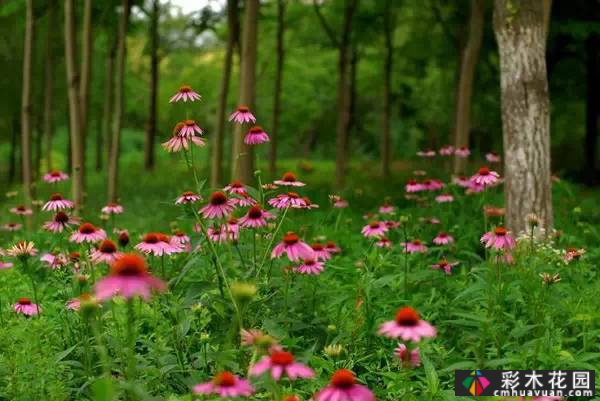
325, 25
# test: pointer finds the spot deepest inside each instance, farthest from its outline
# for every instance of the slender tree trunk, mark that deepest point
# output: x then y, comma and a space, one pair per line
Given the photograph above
216, 170
74, 105
87, 47
343, 94
99, 139
592, 111
278, 87
469, 59
14, 148
49, 84
243, 155
386, 132
113, 165
26, 103
520, 33
107, 109
152, 112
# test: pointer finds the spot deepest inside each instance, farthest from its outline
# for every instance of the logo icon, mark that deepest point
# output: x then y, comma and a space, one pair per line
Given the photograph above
476, 383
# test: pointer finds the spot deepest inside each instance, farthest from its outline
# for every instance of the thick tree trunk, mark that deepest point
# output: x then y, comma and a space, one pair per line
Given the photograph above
49, 84
343, 94
152, 112
87, 47
520, 33
74, 105
278, 87
468, 63
107, 109
216, 169
592, 110
113, 164
386, 132
26, 103
243, 155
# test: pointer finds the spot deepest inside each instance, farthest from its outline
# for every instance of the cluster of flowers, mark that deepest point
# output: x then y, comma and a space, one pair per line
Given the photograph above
462, 151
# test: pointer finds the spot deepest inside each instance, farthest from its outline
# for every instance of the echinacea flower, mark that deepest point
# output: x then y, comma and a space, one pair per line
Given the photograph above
123, 238
320, 252
128, 277
22, 249
447, 150
461, 181
374, 229
178, 143
54, 260
293, 247
184, 94
290, 199
112, 208
289, 179
499, 238
11, 227
255, 217
219, 206
179, 238
56, 203
232, 229
463, 152
332, 248
243, 200
413, 186
308, 203
485, 177
383, 242
225, 385
216, 234
255, 136
387, 209
87, 232
338, 202
426, 153
59, 222
83, 298
414, 246
156, 244
573, 254
105, 253
408, 326
343, 387
25, 307
493, 157
235, 187
189, 129
310, 267
443, 238
444, 198
187, 197
5, 265
281, 363
55, 176
242, 115
408, 358
444, 265
21, 210
432, 185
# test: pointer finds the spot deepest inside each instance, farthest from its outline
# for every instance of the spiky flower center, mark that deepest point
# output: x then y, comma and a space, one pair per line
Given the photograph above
317, 246
56, 197
484, 171
407, 316
255, 212
416, 242
55, 173
107, 246
282, 358
224, 379
343, 379
290, 238
501, 231
243, 108
87, 228
309, 262
189, 123
374, 224
293, 195
185, 88
289, 177
151, 238
24, 301
218, 198
257, 129
129, 265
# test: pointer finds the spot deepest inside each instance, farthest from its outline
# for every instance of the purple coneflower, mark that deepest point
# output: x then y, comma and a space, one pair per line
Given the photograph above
225, 385
255, 218
408, 358
414, 246
112, 208
343, 387
289, 179
105, 253
56, 203
485, 177
87, 232
21, 211
443, 238
187, 197
310, 266
235, 187
255, 136
463, 152
281, 363
290, 199
242, 115
293, 247
374, 229
408, 326
25, 307
444, 198
444, 265
447, 150
499, 238
184, 94
219, 206
55, 176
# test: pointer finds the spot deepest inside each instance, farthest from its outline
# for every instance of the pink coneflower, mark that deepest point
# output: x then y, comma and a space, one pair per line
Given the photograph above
242, 115
236, 187
128, 277
332, 248
426, 153
25, 307
179, 238
407, 326
443, 238
11, 227
232, 229
281, 363
283, 201
22, 249
338, 202
55, 176
461, 181
60, 222
54, 261
56, 203
383, 242
310, 266
409, 359
219, 206
225, 385
21, 211
187, 197
189, 129
432, 185
75, 303
293, 247
463, 152
387, 209
485, 177
413, 186
243, 200
447, 150
250, 337
343, 387
429, 220
177, 143
255, 136
499, 238
255, 218
105, 253
112, 208
573, 254
392, 225
123, 238
289, 179
308, 203
216, 234
184, 94
444, 265
156, 244
5, 265
320, 252
374, 229
475, 188
493, 157
414, 246
444, 198
87, 232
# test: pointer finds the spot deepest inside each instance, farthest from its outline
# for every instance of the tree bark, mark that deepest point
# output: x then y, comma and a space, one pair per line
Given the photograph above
14, 148
386, 132
592, 110
87, 47
520, 33
26, 103
278, 87
468, 64
49, 84
107, 109
216, 170
243, 155
152, 112
547, 14
113, 165
74, 105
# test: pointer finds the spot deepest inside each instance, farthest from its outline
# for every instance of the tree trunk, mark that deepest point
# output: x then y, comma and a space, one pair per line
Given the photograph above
107, 109
278, 87
26, 103
87, 47
113, 165
343, 94
386, 132
520, 33
470, 56
74, 105
216, 170
243, 155
49, 84
14, 148
99, 139
152, 113
547, 14
592, 111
